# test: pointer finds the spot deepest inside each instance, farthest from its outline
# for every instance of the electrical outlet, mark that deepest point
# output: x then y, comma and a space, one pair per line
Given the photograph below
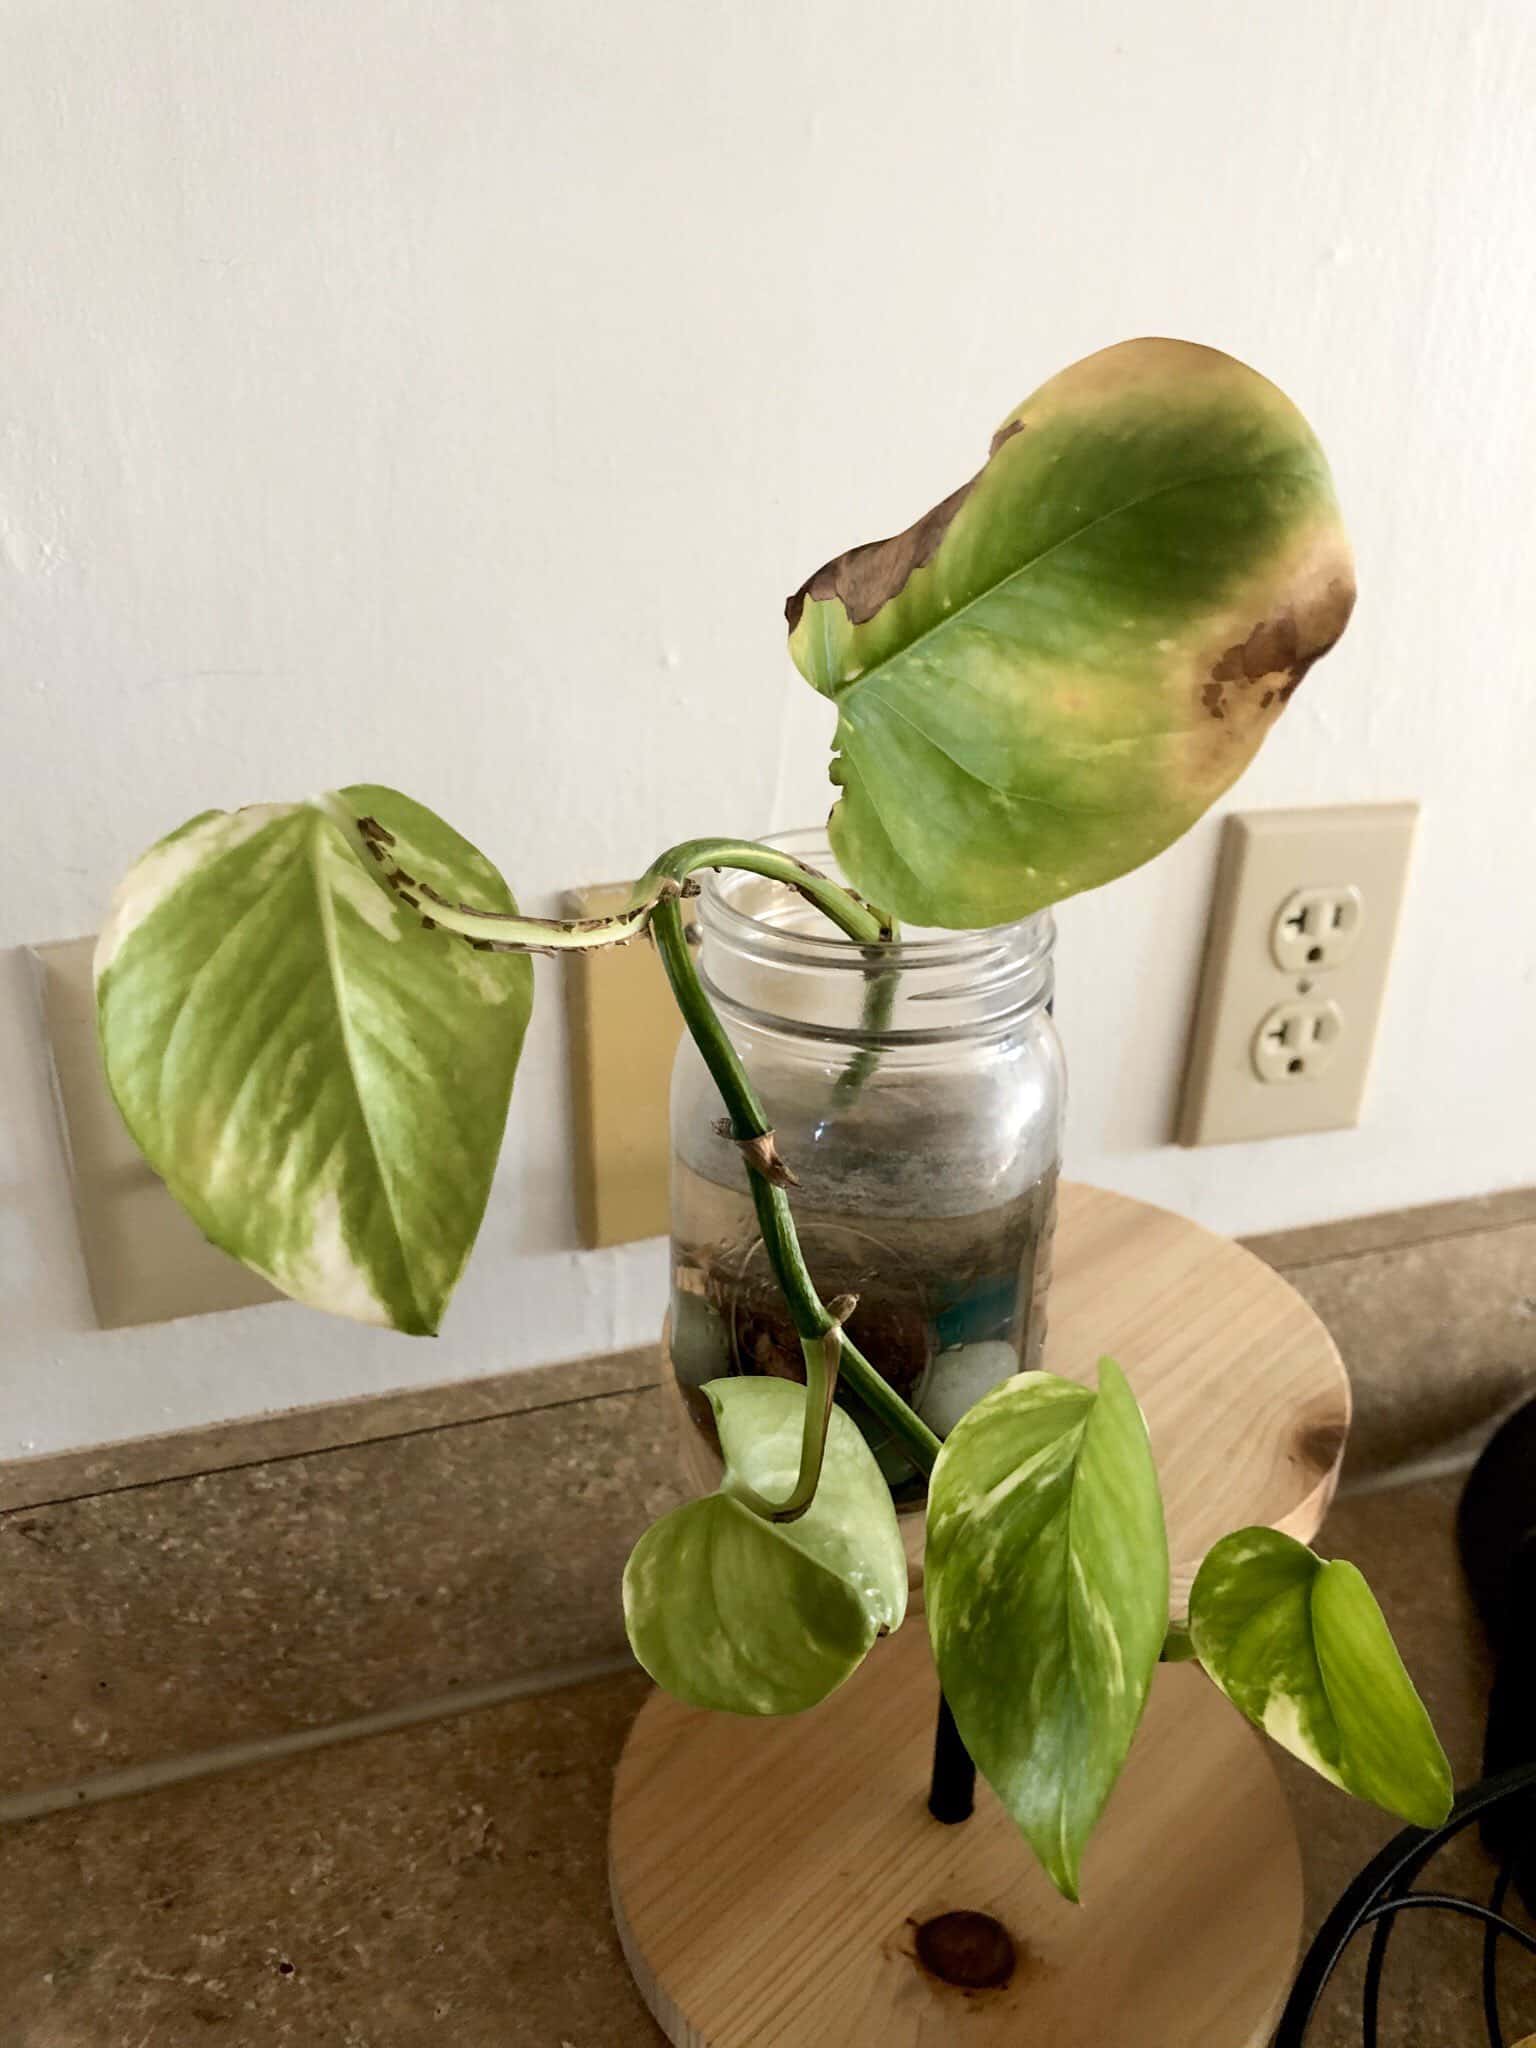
1301, 934
1297, 1040
1316, 928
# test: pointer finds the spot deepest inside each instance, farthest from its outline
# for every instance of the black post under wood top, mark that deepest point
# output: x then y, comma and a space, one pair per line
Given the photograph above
952, 1795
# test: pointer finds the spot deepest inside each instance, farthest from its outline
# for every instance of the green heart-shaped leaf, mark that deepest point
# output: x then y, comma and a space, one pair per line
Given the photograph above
727, 1610
1047, 1589
321, 1082
1054, 673
1302, 1648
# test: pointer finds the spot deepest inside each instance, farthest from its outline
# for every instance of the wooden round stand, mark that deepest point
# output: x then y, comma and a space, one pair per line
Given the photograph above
771, 1878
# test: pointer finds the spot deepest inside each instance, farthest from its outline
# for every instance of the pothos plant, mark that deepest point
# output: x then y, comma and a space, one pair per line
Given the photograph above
311, 1015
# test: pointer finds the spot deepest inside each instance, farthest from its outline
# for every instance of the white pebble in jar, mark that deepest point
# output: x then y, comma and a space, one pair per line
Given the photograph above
958, 1378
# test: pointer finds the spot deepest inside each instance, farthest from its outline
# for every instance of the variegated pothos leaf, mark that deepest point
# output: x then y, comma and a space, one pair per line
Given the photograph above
321, 1082
1054, 673
1301, 1647
727, 1610
1046, 1580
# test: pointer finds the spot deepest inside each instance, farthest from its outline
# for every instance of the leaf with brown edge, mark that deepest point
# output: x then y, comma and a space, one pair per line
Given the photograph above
1052, 675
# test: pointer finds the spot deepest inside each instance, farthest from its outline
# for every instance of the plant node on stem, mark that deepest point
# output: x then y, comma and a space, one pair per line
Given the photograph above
762, 1153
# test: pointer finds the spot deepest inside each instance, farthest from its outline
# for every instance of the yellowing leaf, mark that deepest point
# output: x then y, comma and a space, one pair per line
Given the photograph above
1302, 1648
320, 1082
1054, 673
728, 1610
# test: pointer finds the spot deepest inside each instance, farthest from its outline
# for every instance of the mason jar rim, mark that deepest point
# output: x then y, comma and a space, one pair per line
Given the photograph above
1027, 941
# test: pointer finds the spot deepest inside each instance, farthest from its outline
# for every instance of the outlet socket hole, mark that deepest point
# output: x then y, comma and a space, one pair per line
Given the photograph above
1293, 1066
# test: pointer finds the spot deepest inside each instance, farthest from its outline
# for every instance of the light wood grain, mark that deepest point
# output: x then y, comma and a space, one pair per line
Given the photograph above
768, 1877
1245, 1395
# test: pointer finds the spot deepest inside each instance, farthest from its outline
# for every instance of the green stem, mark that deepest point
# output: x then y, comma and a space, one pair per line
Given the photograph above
654, 905
511, 932
847, 911
812, 1320
874, 1019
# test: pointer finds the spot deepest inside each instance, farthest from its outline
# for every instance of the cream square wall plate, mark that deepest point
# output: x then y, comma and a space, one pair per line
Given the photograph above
145, 1259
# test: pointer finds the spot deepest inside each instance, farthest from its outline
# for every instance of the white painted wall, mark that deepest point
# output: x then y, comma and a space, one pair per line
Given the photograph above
447, 391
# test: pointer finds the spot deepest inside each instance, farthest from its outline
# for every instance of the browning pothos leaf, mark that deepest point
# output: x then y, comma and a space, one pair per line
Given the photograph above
1054, 673
1302, 1648
729, 1611
1047, 1590
320, 1082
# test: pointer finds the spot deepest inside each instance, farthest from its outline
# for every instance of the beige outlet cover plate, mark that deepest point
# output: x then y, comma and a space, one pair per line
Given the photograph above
1279, 865
146, 1261
624, 1029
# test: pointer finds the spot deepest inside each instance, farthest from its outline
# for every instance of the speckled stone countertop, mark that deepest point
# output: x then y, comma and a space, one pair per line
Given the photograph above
447, 1884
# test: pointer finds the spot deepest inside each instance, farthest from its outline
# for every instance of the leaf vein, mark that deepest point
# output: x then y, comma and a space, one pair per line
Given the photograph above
1025, 568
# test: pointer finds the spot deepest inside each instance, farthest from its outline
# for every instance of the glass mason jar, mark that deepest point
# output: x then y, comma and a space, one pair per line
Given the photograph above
917, 1092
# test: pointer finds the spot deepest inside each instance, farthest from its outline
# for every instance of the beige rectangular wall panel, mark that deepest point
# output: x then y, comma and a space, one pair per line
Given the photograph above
624, 1033
145, 1259
1300, 941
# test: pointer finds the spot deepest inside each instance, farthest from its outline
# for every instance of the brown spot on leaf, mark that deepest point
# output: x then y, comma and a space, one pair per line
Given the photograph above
866, 578
1269, 649
1004, 434
1286, 645
1240, 685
